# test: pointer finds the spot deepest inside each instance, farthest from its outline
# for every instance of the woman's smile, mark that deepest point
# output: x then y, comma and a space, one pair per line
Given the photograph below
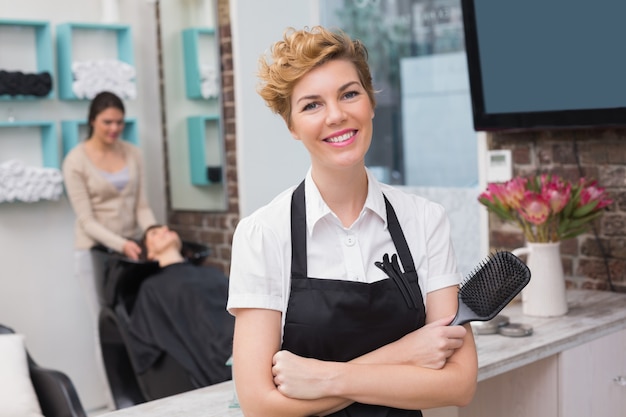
343, 139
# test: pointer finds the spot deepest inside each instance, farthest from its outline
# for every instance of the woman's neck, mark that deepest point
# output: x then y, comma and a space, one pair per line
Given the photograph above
109, 158
101, 146
344, 192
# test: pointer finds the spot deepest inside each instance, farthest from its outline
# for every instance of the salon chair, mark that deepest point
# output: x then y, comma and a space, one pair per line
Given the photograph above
55, 391
118, 280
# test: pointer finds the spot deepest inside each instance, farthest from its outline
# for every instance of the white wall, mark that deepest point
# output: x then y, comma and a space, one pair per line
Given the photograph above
268, 158
38, 294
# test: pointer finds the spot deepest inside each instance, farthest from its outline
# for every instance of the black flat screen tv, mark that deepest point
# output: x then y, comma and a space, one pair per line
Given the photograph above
546, 64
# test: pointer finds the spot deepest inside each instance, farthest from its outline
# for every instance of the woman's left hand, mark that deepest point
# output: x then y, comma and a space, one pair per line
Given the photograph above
301, 378
132, 250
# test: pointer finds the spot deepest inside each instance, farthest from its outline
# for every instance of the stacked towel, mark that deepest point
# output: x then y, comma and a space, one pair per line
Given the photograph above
15, 83
209, 82
93, 77
19, 182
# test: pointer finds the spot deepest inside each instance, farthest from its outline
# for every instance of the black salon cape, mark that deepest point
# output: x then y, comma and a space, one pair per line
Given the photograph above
181, 311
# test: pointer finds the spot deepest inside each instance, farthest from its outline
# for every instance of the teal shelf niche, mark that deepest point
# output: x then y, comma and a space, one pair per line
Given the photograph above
66, 32
206, 154
49, 142
42, 48
192, 38
70, 130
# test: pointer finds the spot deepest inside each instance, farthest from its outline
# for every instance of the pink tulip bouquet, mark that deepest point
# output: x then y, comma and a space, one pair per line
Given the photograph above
546, 207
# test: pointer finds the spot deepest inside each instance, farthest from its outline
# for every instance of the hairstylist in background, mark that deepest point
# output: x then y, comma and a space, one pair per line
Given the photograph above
104, 181
319, 329
105, 185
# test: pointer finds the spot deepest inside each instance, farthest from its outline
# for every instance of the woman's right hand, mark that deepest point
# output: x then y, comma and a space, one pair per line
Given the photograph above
132, 250
431, 345
428, 347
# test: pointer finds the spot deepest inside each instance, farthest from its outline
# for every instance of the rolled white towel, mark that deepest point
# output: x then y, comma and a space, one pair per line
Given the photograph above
81, 69
12, 166
10, 171
209, 90
93, 77
29, 184
209, 81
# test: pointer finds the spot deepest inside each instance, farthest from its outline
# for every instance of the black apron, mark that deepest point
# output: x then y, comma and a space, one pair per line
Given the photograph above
337, 320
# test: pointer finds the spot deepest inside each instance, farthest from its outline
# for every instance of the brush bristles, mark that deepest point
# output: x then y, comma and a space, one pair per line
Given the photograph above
493, 283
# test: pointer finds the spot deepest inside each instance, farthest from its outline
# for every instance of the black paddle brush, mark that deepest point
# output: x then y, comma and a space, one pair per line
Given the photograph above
490, 287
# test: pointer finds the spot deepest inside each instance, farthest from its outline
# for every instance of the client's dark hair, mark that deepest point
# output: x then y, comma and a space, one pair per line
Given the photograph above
142, 243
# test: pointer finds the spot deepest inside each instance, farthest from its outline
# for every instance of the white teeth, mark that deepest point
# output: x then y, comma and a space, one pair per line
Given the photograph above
341, 138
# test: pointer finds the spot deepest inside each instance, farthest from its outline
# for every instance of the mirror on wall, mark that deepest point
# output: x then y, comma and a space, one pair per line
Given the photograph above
423, 127
193, 120
424, 140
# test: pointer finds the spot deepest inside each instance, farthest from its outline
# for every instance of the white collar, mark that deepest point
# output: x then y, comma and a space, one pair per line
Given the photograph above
316, 207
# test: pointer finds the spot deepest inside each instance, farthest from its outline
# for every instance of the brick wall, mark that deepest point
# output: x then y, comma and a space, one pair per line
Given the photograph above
592, 260
215, 229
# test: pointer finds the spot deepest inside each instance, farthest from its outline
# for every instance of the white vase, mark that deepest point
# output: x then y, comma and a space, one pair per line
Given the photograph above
544, 296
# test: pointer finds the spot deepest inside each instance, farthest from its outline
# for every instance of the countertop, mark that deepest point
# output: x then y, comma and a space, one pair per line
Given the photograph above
591, 315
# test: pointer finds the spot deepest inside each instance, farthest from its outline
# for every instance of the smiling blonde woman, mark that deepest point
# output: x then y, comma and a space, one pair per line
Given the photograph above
319, 329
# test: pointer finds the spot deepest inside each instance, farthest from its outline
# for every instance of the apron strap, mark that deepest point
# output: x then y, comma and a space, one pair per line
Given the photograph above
298, 233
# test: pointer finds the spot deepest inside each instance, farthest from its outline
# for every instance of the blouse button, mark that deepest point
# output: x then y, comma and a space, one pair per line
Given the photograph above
350, 240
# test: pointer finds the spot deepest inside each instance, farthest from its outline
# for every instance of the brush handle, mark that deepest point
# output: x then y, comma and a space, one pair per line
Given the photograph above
463, 315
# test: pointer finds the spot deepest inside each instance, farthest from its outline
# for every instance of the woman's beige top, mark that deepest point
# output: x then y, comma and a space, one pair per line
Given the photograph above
104, 214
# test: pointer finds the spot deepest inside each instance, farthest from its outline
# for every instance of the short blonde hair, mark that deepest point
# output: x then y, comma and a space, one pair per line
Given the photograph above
299, 52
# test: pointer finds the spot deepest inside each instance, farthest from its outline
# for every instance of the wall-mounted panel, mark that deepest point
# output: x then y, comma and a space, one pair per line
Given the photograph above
49, 142
201, 61
205, 150
99, 36
37, 65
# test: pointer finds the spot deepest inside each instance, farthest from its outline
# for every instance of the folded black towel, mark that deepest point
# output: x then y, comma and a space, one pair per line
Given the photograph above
15, 83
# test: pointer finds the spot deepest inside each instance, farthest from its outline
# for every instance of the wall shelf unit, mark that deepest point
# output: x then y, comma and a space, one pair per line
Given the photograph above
42, 48
49, 142
206, 155
70, 131
193, 60
67, 32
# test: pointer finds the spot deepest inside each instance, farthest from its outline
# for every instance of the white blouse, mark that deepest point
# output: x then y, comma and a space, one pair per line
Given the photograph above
261, 252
